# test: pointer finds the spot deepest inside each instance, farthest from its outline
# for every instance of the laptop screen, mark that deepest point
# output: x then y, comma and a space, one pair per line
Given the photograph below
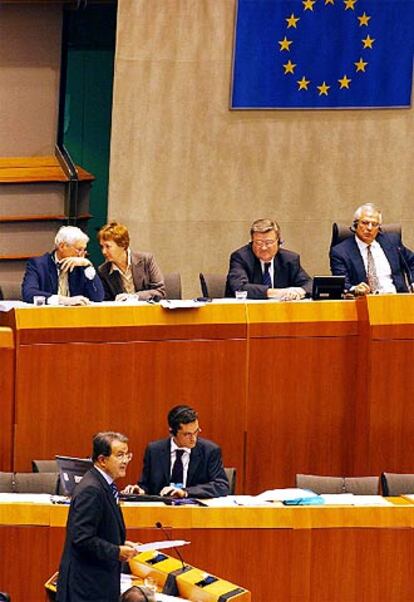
71, 471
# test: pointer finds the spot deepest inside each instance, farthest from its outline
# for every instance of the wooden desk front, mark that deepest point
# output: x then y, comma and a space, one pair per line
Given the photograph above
331, 554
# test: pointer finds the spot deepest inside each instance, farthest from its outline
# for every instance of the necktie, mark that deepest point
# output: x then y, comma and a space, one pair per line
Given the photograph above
177, 474
372, 275
114, 491
266, 279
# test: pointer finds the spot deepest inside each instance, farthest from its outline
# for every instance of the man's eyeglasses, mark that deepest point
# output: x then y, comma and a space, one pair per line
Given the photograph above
366, 223
190, 435
120, 456
263, 244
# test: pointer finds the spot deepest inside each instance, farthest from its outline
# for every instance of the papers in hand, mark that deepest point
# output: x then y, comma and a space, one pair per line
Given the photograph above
161, 545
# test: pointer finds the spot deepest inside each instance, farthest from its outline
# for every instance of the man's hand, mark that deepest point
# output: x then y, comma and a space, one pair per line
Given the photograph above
361, 289
133, 489
76, 300
127, 551
173, 492
291, 293
68, 264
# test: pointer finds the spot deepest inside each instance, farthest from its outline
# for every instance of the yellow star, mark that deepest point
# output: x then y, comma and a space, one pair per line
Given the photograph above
363, 19
360, 65
292, 20
350, 4
344, 82
303, 83
284, 44
330, 2
368, 41
289, 67
308, 4
323, 89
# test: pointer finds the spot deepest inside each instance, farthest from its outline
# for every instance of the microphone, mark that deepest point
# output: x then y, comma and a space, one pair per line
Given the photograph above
160, 526
406, 270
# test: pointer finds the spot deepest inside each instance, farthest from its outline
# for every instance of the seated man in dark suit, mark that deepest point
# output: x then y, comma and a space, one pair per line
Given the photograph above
264, 270
183, 465
372, 261
64, 276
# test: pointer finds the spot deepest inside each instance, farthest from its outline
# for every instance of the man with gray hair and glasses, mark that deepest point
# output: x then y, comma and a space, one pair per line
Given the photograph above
65, 276
373, 261
264, 270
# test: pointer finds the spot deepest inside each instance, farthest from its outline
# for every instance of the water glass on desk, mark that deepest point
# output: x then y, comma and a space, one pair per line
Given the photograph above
39, 300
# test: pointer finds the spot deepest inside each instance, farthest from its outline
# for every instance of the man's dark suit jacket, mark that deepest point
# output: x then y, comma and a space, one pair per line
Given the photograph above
146, 274
245, 273
346, 260
41, 278
90, 567
205, 478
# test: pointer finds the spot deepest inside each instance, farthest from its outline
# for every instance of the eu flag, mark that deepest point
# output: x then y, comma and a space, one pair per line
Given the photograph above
323, 54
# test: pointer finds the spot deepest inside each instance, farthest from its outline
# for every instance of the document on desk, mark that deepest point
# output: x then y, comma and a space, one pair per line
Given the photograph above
181, 304
283, 495
161, 545
25, 498
229, 501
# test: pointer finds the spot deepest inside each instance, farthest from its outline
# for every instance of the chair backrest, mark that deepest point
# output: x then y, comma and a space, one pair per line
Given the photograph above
320, 484
341, 231
397, 484
44, 466
362, 485
231, 474
212, 285
36, 482
11, 290
6, 482
173, 289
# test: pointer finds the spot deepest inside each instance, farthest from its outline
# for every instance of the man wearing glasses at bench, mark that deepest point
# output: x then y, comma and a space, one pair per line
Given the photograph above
182, 465
65, 276
264, 270
373, 261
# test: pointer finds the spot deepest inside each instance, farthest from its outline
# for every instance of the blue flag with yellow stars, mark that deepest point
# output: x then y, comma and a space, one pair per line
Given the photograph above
323, 54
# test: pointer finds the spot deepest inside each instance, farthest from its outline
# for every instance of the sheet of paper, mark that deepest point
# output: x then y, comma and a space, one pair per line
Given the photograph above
161, 545
25, 498
280, 495
181, 304
236, 500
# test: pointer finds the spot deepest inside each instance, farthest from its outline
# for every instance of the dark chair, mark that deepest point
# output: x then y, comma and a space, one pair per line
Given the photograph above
36, 482
320, 484
11, 291
340, 232
6, 482
212, 285
231, 474
173, 289
44, 466
394, 484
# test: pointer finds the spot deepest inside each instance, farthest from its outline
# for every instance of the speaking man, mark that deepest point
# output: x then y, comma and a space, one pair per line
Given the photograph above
65, 276
265, 270
183, 464
373, 261
95, 542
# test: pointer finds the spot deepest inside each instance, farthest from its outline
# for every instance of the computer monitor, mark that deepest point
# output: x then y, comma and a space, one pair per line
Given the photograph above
328, 287
71, 471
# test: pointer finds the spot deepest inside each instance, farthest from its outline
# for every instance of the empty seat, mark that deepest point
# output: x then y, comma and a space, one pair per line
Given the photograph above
11, 290
212, 285
6, 482
44, 466
320, 484
397, 484
173, 289
231, 474
36, 482
362, 485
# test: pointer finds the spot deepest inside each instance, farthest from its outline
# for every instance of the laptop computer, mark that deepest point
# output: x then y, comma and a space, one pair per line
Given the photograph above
71, 471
